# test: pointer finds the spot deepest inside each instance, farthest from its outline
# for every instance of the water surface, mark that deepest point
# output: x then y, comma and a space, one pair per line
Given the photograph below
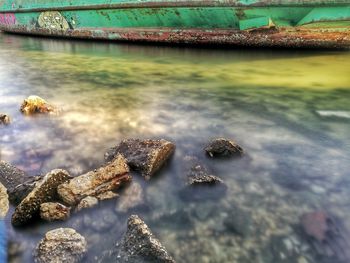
289, 110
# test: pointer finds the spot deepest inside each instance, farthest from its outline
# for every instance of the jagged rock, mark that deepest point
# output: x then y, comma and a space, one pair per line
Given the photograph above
132, 197
62, 245
16, 181
139, 245
35, 104
44, 191
146, 156
223, 148
327, 235
4, 202
87, 202
4, 119
106, 178
52, 211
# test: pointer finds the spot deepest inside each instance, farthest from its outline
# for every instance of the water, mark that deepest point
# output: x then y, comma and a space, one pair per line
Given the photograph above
289, 110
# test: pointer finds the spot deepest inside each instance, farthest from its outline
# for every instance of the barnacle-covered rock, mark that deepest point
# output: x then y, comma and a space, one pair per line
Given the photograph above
222, 147
44, 191
62, 245
146, 156
94, 183
53, 211
140, 245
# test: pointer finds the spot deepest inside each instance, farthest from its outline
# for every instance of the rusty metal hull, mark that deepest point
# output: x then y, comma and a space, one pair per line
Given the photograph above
259, 23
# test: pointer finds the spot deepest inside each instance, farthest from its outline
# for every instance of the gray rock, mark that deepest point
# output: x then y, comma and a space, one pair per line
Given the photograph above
62, 245
17, 182
107, 178
199, 174
4, 202
222, 147
44, 191
132, 197
52, 211
4, 119
146, 156
139, 245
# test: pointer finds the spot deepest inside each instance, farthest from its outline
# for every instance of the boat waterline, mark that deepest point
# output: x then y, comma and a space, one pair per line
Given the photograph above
321, 24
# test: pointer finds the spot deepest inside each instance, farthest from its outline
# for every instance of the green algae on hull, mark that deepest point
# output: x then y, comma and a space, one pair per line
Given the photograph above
247, 23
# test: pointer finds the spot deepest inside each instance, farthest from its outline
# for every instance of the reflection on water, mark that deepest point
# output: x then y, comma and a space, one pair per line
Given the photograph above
289, 110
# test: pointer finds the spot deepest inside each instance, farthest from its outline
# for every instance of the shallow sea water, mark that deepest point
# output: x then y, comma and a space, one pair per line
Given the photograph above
289, 110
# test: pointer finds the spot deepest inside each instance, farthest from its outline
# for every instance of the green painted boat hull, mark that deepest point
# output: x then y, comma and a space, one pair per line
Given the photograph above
282, 23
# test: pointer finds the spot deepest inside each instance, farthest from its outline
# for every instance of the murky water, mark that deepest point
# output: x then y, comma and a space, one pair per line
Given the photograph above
289, 110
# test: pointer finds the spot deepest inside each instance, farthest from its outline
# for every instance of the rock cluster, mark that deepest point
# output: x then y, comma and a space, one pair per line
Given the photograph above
62, 245
139, 245
4, 119
223, 148
44, 191
146, 156
107, 178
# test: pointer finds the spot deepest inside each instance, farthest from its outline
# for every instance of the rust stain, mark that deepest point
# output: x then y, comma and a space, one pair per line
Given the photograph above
298, 37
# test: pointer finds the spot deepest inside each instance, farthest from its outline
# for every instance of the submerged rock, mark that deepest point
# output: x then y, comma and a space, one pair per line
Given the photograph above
132, 197
239, 222
87, 202
223, 148
52, 211
327, 235
4, 119
146, 156
62, 245
199, 174
35, 104
4, 202
139, 245
201, 184
44, 191
106, 178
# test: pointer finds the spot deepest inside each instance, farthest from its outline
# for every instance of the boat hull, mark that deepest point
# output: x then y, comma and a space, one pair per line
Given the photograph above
318, 24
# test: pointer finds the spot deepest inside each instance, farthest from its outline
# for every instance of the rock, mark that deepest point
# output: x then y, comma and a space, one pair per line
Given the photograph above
239, 222
44, 191
35, 104
106, 178
4, 202
107, 195
139, 245
327, 235
146, 156
223, 148
200, 184
62, 245
54, 211
87, 202
17, 182
280, 249
132, 197
4, 119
